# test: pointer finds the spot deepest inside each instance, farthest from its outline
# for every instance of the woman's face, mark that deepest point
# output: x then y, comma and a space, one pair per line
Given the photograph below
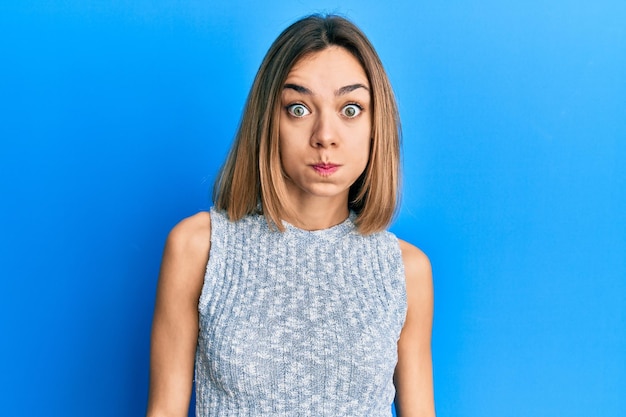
325, 124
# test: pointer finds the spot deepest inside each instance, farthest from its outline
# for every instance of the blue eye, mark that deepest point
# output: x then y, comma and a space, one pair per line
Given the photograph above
351, 110
298, 110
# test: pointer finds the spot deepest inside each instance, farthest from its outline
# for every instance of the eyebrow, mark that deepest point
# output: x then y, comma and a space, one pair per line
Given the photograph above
298, 88
340, 92
349, 88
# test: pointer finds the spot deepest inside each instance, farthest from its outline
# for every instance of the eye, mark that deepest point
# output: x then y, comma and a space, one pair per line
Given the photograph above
298, 110
351, 110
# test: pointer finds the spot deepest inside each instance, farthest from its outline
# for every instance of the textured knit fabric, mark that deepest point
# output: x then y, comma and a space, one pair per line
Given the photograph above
298, 323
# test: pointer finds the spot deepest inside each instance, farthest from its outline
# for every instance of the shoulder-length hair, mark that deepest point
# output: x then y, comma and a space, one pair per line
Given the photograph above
253, 174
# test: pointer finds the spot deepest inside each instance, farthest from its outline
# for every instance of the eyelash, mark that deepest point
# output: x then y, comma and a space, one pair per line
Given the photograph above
357, 105
289, 107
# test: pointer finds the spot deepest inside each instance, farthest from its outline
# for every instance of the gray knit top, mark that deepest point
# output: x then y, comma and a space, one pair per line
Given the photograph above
298, 323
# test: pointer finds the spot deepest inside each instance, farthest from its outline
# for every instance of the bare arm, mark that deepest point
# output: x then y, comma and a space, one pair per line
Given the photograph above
175, 323
414, 376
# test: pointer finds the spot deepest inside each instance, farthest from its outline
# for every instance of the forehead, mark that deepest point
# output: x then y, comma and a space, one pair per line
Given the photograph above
331, 66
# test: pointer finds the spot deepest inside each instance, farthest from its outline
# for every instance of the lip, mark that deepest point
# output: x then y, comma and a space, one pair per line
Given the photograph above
325, 169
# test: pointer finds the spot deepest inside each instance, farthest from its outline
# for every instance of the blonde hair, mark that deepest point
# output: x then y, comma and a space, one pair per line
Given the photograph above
252, 173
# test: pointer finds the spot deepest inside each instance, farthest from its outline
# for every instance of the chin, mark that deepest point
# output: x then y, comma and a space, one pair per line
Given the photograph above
328, 192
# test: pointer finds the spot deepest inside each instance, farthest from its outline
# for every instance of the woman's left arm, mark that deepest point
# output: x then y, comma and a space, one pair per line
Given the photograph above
414, 372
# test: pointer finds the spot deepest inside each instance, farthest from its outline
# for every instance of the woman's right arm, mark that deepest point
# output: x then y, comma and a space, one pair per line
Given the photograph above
175, 322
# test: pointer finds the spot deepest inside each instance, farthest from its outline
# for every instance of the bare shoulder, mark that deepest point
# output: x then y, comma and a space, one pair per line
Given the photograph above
419, 281
416, 263
192, 233
186, 255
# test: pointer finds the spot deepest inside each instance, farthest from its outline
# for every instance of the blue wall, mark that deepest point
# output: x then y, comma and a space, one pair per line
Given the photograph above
115, 116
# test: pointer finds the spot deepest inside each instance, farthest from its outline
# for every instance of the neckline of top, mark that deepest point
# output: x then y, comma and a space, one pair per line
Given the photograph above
337, 230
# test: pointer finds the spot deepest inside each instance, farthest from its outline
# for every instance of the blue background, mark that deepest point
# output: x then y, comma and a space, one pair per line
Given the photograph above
115, 116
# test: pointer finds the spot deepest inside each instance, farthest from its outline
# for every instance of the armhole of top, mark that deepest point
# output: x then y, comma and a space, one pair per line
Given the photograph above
214, 249
403, 302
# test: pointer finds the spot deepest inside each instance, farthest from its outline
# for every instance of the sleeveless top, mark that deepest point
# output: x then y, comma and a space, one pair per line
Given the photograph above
298, 323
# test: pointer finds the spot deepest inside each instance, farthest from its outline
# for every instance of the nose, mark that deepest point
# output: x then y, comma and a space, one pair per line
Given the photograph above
324, 133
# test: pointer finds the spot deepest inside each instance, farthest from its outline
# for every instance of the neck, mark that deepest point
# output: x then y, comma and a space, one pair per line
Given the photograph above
318, 213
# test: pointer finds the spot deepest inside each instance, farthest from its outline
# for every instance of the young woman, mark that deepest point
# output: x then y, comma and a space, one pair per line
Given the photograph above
289, 298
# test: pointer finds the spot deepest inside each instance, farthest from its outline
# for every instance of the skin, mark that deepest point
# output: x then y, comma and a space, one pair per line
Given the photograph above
331, 90
325, 118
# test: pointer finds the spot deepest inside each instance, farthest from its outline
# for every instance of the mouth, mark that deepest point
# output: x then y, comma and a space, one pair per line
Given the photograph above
325, 169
